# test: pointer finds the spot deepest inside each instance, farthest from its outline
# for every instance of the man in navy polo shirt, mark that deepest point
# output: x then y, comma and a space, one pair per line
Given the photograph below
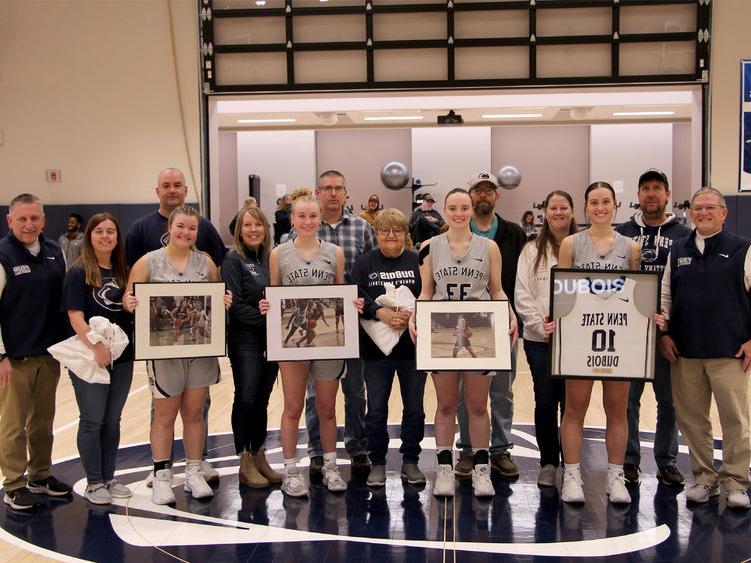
705, 291
150, 233
31, 283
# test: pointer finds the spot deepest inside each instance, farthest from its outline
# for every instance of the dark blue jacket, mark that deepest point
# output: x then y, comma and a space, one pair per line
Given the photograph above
31, 319
710, 315
655, 242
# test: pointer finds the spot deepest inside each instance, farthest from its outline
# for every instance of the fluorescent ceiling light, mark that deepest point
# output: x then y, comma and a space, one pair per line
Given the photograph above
277, 120
635, 113
509, 115
396, 118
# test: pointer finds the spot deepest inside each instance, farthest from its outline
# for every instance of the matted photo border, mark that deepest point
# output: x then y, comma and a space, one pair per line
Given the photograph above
275, 323
213, 330
431, 347
604, 335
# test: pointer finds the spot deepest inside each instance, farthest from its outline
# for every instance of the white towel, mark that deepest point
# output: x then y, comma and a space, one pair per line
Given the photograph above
381, 333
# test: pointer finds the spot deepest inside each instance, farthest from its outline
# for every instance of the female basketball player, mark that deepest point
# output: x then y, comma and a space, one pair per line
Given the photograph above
306, 260
599, 247
479, 261
178, 385
532, 300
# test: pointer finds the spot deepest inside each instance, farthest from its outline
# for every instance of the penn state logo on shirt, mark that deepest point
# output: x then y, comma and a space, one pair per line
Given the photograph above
373, 275
252, 269
109, 295
164, 239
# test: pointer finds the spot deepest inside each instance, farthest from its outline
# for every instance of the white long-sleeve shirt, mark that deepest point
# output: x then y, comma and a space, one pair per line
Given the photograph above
532, 290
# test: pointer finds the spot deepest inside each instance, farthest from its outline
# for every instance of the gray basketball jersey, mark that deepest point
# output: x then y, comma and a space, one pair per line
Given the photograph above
462, 278
162, 270
296, 270
586, 256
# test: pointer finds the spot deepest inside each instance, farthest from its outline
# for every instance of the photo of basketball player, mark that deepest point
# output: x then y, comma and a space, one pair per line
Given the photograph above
180, 320
463, 335
305, 323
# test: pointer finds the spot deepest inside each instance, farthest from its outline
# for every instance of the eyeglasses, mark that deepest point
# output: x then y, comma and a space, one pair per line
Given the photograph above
384, 231
329, 188
710, 208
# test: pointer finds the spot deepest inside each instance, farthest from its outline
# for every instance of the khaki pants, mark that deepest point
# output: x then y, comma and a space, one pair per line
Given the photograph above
27, 411
694, 384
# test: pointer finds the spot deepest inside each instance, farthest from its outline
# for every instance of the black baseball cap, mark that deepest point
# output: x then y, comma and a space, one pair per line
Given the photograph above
654, 174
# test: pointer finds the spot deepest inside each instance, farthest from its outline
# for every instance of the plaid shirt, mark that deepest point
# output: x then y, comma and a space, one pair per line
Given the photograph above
353, 234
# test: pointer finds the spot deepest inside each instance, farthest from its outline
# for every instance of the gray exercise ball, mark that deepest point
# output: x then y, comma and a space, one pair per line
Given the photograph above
394, 175
509, 177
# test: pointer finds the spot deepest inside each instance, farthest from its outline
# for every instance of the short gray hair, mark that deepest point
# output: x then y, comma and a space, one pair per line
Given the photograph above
709, 191
24, 199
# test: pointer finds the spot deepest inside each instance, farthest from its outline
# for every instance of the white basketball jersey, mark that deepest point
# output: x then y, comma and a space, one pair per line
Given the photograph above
604, 344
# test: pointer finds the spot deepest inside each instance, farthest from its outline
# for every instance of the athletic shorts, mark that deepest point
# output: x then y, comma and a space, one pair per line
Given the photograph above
327, 370
469, 372
169, 378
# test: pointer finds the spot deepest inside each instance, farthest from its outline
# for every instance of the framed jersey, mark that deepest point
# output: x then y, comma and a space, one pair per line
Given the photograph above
605, 326
462, 335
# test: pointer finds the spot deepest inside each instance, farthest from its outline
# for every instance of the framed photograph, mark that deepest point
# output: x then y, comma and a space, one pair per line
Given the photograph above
462, 335
312, 322
179, 320
605, 327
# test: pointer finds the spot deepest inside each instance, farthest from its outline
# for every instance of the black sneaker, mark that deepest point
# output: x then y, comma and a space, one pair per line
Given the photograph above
360, 465
50, 487
670, 476
316, 465
631, 472
21, 499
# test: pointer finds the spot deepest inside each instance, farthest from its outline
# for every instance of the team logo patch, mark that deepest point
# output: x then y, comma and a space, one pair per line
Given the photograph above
685, 261
109, 295
22, 269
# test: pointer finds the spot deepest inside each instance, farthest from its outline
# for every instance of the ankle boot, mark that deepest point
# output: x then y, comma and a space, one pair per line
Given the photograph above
249, 474
265, 469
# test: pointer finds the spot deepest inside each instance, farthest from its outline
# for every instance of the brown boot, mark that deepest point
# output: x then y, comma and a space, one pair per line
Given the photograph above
249, 474
265, 469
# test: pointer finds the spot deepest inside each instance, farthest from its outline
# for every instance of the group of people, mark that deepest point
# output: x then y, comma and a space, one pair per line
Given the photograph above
705, 340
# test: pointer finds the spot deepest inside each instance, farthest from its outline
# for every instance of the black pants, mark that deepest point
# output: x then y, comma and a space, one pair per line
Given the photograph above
254, 379
549, 394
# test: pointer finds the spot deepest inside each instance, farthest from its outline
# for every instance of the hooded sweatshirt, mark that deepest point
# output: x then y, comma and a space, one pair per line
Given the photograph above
655, 242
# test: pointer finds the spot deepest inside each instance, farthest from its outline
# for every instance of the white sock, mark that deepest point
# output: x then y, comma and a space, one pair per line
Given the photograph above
571, 467
329, 459
290, 465
613, 468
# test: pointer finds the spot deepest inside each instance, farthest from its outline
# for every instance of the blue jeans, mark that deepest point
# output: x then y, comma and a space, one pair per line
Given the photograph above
100, 407
379, 377
353, 387
254, 379
666, 435
549, 396
501, 411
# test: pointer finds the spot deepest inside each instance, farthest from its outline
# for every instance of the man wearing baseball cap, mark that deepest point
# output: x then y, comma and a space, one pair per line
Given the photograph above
425, 221
510, 238
654, 229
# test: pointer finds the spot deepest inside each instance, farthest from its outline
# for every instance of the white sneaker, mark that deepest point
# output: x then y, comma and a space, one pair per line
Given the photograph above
209, 473
701, 493
481, 483
444, 481
332, 479
738, 498
161, 490
195, 482
294, 485
571, 490
617, 490
149, 481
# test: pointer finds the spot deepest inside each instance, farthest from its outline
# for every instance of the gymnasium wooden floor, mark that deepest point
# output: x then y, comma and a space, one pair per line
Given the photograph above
135, 419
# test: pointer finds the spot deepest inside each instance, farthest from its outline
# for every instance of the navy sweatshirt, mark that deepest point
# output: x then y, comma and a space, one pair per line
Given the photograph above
655, 242
150, 233
370, 272
30, 316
